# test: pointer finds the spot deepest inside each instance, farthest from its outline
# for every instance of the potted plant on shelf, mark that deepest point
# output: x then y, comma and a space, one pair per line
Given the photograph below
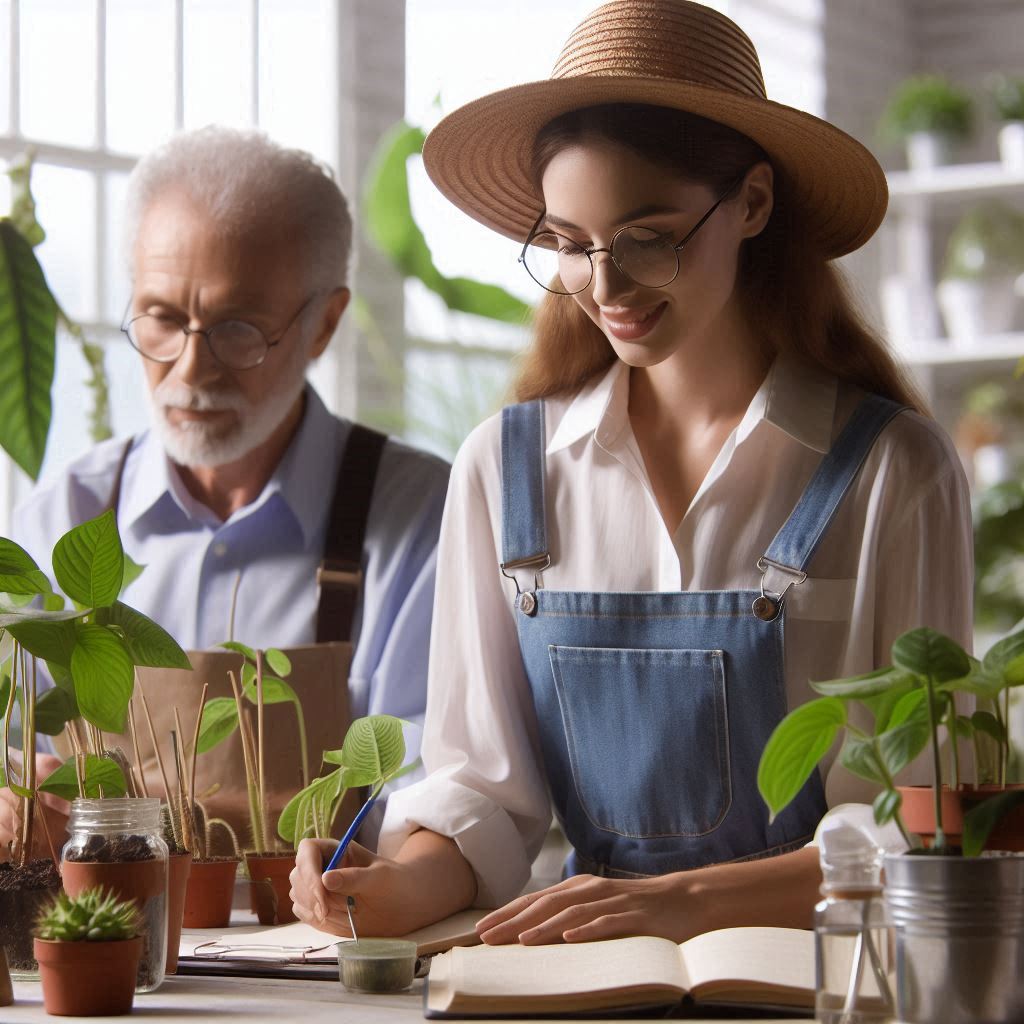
957, 916
929, 114
91, 651
88, 947
984, 261
1008, 99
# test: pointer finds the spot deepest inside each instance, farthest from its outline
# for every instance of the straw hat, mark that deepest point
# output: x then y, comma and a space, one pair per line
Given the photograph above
670, 53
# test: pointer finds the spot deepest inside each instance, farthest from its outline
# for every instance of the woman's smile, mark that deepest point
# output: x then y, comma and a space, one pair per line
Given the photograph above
629, 324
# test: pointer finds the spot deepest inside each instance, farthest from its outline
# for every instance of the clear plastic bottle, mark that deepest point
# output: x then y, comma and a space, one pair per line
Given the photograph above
117, 843
856, 971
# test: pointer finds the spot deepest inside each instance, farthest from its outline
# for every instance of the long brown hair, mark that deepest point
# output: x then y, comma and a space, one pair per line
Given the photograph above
797, 298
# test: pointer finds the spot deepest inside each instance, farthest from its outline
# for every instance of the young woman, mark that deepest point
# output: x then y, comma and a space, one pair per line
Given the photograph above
715, 486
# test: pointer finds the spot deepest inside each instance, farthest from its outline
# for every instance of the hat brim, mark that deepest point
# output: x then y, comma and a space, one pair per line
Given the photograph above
479, 156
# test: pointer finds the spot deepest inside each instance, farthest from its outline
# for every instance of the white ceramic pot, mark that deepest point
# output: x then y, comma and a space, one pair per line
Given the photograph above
1011, 144
974, 309
927, 150
908, 309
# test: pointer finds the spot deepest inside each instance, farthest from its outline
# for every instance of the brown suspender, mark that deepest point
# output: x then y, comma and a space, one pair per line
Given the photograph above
340, 575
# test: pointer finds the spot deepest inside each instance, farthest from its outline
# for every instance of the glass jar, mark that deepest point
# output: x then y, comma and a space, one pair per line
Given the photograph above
117, 844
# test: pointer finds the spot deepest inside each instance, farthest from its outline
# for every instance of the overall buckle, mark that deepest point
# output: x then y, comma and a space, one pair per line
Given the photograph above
526, 600
776, 579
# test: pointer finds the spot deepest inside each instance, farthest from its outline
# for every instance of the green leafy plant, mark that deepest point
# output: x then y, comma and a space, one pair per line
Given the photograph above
927, 103
1007, 97
29, 317
372, 754
91, 651
908, 702
92, 916
987, 242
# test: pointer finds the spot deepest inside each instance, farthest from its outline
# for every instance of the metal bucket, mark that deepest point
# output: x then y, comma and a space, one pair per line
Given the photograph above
959, 927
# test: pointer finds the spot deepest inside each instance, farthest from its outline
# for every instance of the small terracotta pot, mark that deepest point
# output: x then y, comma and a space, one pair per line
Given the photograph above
209, 893
88, 979
6, 988
178, 867
918, 812
269, 873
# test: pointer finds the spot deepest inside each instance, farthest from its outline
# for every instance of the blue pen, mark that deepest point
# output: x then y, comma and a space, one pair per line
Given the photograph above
352, 830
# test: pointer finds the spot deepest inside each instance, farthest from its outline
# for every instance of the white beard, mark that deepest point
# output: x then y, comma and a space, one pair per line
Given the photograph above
194, 443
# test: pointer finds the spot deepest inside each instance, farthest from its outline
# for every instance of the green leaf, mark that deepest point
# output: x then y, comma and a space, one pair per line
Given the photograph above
1014, 671
926, 652
148, 644
309, 813
234, 645
13, 618
980, 820
860, 757
278, 661
275, 691
88, 561
964, 726
1001, 654
220, 720
881, 681
886, 805
900, 745
132, 571
104, 677
796, 746
21, 791
23, 206
99, 772
909, 704
390, 224
28, 331
54, 709
987, 723
19, 574
374, 743
53, 641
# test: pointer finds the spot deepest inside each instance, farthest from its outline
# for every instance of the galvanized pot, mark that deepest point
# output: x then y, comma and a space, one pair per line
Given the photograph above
959, 928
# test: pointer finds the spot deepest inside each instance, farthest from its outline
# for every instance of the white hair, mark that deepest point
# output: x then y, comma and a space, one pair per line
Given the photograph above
238, 176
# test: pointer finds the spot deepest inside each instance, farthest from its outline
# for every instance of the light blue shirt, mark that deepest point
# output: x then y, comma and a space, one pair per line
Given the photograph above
191, 558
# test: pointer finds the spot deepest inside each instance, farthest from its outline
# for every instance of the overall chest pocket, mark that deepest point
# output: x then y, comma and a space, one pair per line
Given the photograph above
647, 737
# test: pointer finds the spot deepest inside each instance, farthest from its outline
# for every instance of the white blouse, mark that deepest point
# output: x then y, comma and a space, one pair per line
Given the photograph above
899, 554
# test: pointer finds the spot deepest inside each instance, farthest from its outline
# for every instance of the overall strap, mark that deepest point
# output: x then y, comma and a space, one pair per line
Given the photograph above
789, 554
114, 498
524, 533
340, 575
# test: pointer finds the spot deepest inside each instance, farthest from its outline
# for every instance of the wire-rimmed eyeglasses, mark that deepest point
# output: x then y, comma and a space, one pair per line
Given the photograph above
647, 257
236, 344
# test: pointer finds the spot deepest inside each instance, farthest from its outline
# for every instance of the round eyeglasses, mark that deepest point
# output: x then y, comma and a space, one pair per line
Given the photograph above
647, 257
236, 344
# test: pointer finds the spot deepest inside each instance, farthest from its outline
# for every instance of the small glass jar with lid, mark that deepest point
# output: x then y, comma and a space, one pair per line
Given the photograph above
117, 844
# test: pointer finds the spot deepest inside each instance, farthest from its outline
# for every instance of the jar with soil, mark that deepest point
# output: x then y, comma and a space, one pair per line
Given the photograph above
117, 843
24, 892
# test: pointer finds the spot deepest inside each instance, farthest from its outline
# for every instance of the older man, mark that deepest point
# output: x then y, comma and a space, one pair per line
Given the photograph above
254, 510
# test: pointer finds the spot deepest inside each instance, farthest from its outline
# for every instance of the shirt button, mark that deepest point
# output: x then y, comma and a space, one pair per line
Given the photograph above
220, 549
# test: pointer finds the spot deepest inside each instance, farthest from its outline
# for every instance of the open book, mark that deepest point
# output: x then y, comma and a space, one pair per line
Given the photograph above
749, 966
303, 944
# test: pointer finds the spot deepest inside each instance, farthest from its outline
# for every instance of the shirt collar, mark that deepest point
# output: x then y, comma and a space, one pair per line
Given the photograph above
796, 397
303, 478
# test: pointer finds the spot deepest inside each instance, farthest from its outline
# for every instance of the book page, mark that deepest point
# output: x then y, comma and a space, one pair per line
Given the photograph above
751, 965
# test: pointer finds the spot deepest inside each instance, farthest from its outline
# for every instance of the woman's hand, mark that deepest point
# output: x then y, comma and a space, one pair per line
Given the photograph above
55, 809
585, 907
427, 881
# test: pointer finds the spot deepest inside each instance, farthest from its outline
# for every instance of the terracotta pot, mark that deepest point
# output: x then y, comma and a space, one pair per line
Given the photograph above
178, 867
270, 886
209, 893
6, 988
918, 812
88, 979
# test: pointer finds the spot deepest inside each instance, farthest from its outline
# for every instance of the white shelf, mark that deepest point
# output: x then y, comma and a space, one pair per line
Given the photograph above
966, 181
999, 348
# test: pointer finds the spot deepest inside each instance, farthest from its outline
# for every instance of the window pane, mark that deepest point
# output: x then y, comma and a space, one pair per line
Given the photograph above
218, 63
58, 71
115, 259
140, 73
66, 207
5, 63
297, 86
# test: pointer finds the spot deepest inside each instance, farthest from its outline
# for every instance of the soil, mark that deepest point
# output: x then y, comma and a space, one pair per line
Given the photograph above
24, 893
123, 849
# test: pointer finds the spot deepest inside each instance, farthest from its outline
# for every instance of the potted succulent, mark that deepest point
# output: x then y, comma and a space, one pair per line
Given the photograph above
88, 947
91, 651
984, 260
955, 913
1008, 100
929, 114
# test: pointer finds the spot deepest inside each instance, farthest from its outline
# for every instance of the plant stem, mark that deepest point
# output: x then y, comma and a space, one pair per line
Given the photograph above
28, 751
303, 744
143, 788
954, 743
259, 748
940, 839
248, 759
195, 747
175, 822
890, 784
1004, 760
234, 605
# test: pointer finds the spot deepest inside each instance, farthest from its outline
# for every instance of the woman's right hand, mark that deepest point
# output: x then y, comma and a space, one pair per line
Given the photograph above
55, 809
428, 881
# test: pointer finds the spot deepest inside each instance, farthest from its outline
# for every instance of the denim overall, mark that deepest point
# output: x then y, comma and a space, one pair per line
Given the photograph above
653, 708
